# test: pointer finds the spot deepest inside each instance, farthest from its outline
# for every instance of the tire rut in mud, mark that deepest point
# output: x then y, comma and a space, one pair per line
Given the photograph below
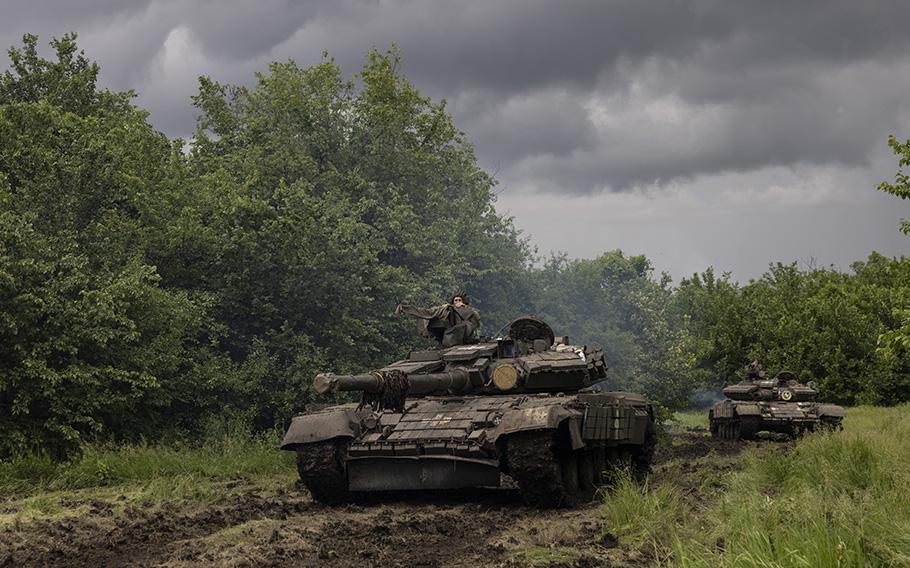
424, 536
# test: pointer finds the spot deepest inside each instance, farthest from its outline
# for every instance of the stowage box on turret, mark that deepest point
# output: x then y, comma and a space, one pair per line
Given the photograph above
458, 417
781, 404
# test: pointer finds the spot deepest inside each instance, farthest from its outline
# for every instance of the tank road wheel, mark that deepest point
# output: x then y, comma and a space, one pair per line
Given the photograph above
730, 429
586, 475
727, 429
748, 427
568, 464
548, 475
831, 423
321, 468
599, 463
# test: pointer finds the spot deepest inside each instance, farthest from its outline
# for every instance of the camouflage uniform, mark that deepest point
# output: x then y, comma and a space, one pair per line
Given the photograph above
447, 324
754, 371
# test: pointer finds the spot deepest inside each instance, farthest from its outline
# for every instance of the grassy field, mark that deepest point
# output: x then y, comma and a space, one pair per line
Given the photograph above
225, 457
836, 500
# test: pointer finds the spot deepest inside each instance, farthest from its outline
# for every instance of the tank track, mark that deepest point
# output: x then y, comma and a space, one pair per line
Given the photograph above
644, 455
740, 428
632, 460
321, 469
831, 424
550, 474
535, 466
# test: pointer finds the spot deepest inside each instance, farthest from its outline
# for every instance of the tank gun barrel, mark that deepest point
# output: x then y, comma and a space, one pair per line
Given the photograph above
456, 381
329, 382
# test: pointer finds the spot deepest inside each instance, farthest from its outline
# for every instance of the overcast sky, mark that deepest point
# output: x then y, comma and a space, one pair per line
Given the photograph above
702, 133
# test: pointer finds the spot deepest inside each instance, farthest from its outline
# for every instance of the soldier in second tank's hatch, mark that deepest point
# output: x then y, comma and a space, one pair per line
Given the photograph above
755, 371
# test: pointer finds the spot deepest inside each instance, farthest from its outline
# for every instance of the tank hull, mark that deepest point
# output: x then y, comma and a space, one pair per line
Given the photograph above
734, 419
557, 447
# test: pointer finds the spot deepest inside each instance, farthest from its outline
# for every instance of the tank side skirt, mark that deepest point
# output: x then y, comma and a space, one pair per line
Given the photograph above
373, 473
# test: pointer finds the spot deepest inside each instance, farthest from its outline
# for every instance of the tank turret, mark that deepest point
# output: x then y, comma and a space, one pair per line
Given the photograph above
784, 387
461, 416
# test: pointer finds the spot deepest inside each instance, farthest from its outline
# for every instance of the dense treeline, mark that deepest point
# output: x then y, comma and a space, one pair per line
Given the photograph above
147, 284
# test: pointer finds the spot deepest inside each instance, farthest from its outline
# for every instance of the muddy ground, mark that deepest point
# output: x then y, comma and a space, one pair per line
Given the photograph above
258, 527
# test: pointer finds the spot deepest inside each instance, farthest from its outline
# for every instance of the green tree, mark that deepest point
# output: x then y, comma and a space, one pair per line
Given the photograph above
896, 341
614, 303
316, 205
90, 344
883, 286
821, 324
901, 185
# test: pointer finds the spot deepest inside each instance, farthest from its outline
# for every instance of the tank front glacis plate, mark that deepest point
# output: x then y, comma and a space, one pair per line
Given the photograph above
786, 410
433, 426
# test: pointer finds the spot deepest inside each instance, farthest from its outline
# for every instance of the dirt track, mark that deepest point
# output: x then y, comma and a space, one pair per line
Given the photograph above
479, 528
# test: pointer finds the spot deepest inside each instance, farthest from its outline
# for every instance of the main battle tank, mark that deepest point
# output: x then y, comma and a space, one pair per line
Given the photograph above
522, 405
781, 404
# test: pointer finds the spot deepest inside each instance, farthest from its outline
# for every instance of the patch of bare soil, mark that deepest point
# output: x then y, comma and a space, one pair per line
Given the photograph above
697, 463
135, 535
466, 528
695, 444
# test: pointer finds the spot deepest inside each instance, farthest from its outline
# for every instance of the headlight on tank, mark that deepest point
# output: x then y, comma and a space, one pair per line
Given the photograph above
505, 377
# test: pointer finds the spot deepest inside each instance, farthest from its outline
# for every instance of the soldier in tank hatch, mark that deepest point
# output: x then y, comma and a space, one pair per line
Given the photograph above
755, 371
454, 323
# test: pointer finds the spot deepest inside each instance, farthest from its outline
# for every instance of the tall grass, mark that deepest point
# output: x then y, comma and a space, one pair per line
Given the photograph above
838, 499
641, 514
225, 451
688, 420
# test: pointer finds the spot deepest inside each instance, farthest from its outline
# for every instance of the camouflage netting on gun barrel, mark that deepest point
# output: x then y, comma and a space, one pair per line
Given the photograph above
392, 392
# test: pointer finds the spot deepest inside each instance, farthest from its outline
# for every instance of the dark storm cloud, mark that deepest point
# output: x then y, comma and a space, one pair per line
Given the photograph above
550, 93
39, 15
246, 30
779, 78
550, 122
652, 138
515, 46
